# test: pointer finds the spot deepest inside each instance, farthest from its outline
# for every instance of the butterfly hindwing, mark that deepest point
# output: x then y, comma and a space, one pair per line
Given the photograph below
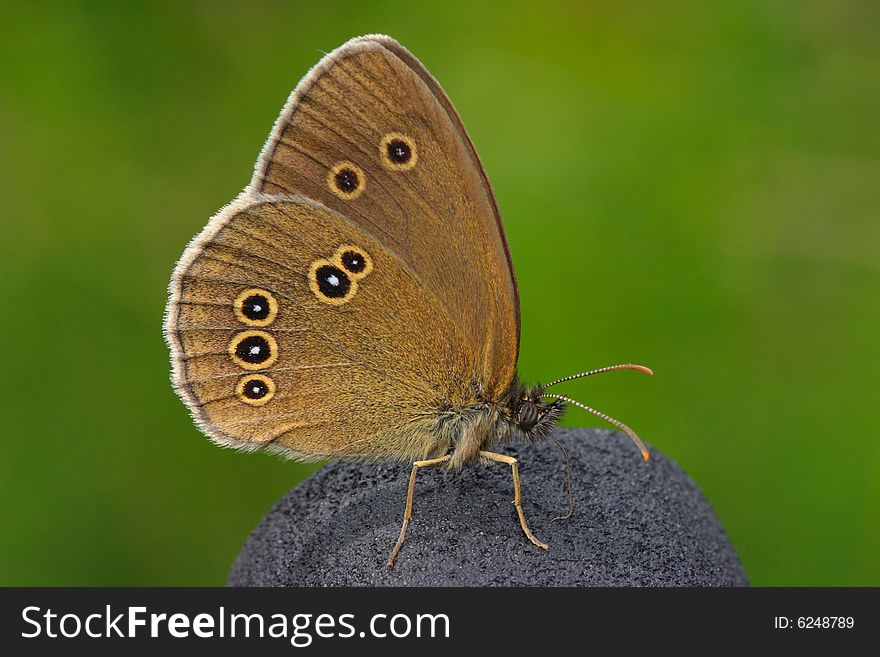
332, 374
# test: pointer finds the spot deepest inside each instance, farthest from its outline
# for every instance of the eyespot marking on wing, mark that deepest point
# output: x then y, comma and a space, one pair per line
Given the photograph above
347, 180
398, 152
330, 283
253, 350
354, 260
255, 389
256, 307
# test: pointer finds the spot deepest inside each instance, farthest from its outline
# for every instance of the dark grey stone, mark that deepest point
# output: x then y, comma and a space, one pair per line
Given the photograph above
634, 524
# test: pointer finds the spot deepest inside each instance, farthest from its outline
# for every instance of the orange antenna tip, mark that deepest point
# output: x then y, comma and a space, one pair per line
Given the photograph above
602, 370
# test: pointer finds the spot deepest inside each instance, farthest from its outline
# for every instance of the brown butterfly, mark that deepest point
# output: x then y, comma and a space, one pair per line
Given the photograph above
357, 300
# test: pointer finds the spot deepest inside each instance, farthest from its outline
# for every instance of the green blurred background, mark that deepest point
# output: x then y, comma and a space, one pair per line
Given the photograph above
695, 186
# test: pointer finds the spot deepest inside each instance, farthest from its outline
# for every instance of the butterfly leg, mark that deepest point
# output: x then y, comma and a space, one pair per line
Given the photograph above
503, 458
407, 514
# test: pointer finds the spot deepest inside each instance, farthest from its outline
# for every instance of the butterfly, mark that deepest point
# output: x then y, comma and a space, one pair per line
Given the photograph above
357, 300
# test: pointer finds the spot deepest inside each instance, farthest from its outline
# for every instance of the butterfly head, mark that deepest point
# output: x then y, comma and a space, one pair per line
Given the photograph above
534, 416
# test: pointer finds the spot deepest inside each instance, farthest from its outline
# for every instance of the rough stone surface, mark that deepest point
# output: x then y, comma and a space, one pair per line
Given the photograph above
634, 524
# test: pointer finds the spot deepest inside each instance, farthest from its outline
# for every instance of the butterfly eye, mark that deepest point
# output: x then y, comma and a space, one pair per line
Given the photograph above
346, 180
256, 307
353, 260
398, 152
330, 283
255, 389
253, 350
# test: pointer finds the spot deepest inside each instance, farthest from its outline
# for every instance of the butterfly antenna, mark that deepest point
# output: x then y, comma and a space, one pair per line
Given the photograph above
610, 368
617, 423
567, 479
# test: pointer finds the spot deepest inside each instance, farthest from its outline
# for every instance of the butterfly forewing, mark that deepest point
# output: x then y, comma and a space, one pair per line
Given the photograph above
369, 133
